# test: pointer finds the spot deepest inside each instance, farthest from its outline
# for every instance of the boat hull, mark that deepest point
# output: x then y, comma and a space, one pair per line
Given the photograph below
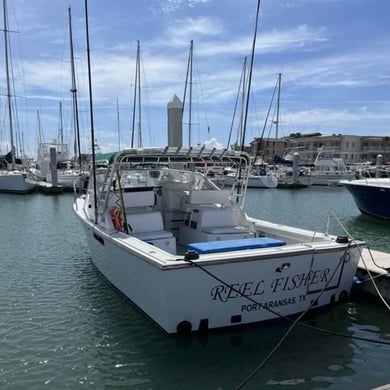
254, 181
372, 196
325, 179
16, 183
288, 182
224, 290
185, 252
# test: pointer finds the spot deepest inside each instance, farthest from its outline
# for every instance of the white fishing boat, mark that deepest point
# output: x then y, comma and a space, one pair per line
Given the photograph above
260, 177
184, 251
293, 177
268, 180
330, 170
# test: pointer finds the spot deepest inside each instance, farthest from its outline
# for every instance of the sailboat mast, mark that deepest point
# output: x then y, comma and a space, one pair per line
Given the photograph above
190, 102
241, 132
74, 94
250, 74
91, 110
6, 54
118, 123
277, 112
137, 98
61, 127
189, 82
40, 135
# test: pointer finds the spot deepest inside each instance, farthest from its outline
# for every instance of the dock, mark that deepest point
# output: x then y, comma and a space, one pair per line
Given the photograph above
384, 387
373, 273
49, 188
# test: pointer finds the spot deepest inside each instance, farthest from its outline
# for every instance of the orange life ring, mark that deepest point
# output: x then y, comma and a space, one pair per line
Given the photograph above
116, 218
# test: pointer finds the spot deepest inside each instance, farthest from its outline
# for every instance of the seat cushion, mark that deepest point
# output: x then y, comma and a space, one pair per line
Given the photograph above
208, 196
235, 245
221, 217
145, 222
225, 229
139, 198
154, 235
147, 226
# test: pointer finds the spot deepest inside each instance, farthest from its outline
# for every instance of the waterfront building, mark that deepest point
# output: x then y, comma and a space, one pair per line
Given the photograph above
352, 149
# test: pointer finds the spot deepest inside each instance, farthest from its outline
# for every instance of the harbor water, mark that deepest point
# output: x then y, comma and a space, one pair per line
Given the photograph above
63, 326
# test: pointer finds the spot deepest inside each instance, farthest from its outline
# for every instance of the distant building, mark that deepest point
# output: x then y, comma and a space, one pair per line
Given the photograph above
351, 148
371, 146
346, 147
267, 148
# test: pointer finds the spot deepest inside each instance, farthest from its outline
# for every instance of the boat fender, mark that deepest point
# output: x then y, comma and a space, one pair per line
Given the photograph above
184, 327
343, 296
116, 218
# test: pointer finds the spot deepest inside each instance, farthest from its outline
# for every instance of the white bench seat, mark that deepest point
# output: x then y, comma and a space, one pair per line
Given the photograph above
144, 222
149, 227
213, 223
153, 235
217, 217
225, 229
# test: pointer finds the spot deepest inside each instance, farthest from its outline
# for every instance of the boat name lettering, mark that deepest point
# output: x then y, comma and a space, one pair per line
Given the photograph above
225, 292
289, 283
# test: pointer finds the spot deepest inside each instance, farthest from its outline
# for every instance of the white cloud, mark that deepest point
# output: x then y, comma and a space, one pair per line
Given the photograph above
168, 6
213, 143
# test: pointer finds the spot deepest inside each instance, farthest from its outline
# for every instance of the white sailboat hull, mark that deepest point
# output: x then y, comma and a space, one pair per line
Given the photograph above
16, 183
255, 181
326, 179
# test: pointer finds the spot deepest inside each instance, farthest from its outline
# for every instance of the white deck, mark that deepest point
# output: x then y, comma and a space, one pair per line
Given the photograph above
381, 259
374, 265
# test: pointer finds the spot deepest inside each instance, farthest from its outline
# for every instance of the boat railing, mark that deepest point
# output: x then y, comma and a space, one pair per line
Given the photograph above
187, 158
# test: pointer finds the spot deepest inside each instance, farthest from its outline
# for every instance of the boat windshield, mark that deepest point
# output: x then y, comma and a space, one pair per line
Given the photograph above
152, 177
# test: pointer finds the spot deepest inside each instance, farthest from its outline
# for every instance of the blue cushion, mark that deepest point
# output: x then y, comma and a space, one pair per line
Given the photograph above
234, 245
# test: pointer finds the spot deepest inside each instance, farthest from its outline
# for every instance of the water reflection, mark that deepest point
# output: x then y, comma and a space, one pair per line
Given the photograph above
64, 326
135, 352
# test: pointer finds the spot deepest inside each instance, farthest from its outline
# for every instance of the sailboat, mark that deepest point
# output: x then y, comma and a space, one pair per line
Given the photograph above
289, 175
260, 175
12, 179
70, 175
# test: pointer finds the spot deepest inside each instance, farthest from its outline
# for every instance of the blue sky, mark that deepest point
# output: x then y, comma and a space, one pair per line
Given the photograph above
334, 57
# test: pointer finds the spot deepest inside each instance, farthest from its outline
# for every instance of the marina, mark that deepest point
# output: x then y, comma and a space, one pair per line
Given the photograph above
64, 325
156, 273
